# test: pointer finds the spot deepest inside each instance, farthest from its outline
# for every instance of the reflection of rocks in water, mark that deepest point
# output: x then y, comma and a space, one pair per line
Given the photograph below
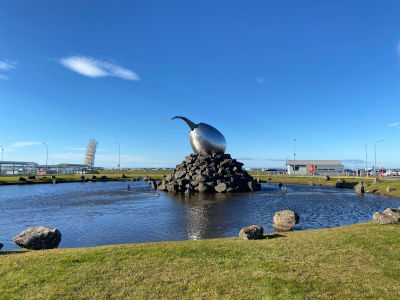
202, 197
202, 213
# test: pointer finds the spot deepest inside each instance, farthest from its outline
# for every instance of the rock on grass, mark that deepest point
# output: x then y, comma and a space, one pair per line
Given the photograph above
252, 232
38, 238
388, 216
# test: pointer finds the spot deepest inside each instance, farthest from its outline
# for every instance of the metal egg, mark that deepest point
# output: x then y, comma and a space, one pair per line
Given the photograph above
204, 138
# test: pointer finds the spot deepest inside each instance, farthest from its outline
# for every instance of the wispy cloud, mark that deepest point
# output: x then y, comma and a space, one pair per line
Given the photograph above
92, 67
6, 65
76, 148
394, 124
18, 145
260, 79
352, 161
24, 144
398, 48
261, 159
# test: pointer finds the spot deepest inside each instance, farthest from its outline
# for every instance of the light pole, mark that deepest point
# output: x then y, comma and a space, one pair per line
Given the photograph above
366, 159
47, 153
2, 150
294, 156
119, 156
375, 154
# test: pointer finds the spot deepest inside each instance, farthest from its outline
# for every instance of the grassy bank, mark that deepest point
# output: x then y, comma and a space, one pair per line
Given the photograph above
358, 261
113, 175
110, 176
350, 182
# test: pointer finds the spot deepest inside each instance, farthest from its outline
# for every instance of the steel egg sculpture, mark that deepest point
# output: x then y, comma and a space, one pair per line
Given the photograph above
204, 138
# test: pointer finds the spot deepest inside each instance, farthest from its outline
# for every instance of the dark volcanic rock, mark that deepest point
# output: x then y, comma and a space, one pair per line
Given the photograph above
340, 183
154, 185
209, 173
359, 188
38, 238
252, 232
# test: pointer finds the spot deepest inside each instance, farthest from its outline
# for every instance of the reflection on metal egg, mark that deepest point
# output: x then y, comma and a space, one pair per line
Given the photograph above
204, 138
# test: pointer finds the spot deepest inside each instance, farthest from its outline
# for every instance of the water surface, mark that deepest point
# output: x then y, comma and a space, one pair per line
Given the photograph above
102, 213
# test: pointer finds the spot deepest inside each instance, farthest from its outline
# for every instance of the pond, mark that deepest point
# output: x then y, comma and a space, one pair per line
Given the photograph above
103, 213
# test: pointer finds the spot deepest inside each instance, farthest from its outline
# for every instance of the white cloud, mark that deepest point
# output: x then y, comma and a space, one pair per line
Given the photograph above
260, 79
398, 48
92, 67
394, 124
6, 65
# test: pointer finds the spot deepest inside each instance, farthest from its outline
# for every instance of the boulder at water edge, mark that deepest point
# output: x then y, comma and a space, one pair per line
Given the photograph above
252, 232
340, 183
285, 220
38, 238
359, 188
389, 189
388, 216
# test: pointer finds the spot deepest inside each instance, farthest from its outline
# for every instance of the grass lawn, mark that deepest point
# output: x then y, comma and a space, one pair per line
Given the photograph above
353, 262
111, 175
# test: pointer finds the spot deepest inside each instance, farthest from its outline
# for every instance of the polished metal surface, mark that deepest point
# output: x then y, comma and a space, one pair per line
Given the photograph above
204, 138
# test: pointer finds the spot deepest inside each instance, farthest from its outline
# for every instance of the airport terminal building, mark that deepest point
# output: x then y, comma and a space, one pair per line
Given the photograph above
314, 167
9, 168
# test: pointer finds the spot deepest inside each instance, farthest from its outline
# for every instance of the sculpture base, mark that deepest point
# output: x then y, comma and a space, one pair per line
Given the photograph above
209, 173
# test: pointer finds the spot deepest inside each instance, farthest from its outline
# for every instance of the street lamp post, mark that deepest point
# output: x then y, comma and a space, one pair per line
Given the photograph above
2, 149
375, 154
366, 159
47, 153
294, 156
119, 156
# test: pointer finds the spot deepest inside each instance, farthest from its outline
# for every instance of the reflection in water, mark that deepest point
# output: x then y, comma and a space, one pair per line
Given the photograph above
198, 209
102, 213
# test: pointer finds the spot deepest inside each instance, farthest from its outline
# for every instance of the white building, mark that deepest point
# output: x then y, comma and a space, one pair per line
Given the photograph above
315, 167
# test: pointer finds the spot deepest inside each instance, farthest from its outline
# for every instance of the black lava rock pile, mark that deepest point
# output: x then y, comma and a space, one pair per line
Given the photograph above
209, 173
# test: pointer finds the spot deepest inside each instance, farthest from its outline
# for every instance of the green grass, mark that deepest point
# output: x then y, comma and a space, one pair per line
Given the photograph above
353, 262
111, 175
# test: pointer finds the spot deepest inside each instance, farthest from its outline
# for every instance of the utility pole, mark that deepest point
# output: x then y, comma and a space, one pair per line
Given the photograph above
119, 156
294, 156
366, 159
375, 154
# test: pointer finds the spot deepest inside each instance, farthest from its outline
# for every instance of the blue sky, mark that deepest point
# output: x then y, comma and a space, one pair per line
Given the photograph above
263, 72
